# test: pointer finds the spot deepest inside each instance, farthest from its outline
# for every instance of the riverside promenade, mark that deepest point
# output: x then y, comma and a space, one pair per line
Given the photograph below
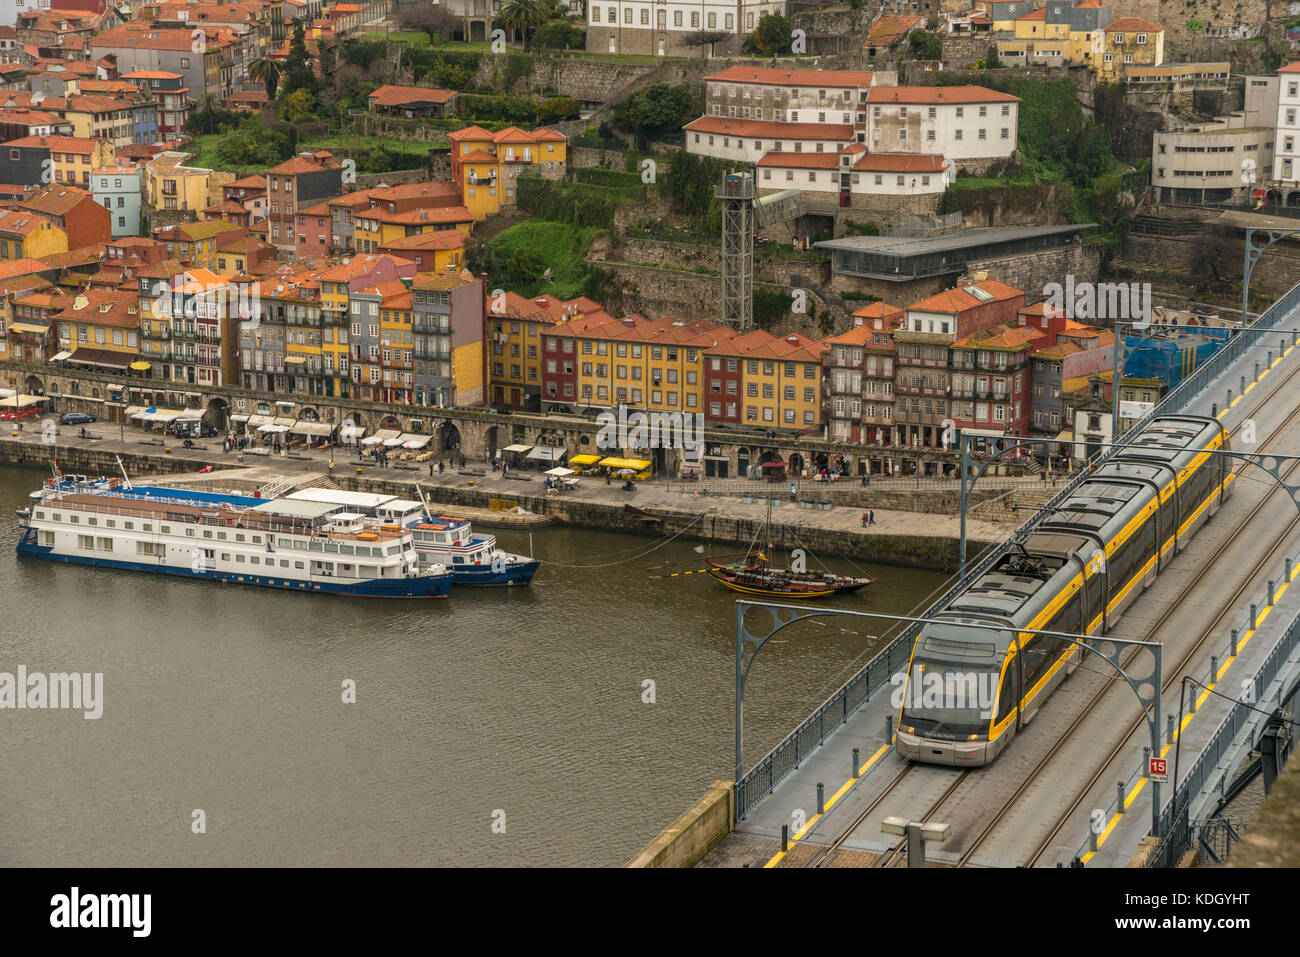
899, 536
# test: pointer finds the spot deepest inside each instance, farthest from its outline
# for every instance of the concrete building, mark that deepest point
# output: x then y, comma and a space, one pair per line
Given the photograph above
675, 27
1222, 161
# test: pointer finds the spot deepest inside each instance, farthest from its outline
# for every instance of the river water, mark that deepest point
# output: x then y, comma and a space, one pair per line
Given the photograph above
523, 708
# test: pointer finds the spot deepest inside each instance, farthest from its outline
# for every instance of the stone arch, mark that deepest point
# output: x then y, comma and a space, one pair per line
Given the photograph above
390, 422
217, 414
491, 441
1293, 197
32, 386
796, 464
74, 387
477, 31
448, 436
768, 455
309, 414
742, 461
1273, 197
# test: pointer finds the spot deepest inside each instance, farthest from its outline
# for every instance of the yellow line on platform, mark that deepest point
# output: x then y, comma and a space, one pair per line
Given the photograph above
1187, 718
776, 858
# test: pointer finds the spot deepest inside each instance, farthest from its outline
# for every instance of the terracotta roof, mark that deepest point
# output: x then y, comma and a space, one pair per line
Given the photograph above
256, 181
1132, 25
1039, 14
776, 77
57, 200
22, 267
788, 160
436, 190
20, 222
957, 300
59, 144
1013, 337
400, 95
104, 307
143, 35
879, 310
477, 156
438, 239
469, 133
888, 29
151, 75
1290, 68
764, 129
415, 217
901, 163
761, 344
303, 164
937, 95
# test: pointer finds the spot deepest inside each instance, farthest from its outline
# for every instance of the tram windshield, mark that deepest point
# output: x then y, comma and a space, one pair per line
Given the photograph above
952, 687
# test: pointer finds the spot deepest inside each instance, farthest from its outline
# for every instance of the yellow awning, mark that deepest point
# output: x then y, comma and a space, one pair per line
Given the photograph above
584, 460
140, 366
636, 465
27, 327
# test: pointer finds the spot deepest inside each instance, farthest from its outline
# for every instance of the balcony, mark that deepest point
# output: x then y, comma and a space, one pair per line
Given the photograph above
982, 394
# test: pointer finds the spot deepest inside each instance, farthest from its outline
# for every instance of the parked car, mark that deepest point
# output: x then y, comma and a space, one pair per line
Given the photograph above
76, 418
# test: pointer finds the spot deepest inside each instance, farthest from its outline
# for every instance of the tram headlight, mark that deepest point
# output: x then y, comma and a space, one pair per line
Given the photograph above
973, 737
908, 729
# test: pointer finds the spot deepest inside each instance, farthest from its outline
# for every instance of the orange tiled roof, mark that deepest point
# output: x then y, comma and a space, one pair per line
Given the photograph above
777, 77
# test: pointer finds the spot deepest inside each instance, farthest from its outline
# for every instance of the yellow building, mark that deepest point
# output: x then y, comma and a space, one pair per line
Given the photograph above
515, 325
434, 252
195, 244
378, 227
598, 361
763, 381
25, 235
171, 185
487, 165
1130, 41
1063, 33
101, 328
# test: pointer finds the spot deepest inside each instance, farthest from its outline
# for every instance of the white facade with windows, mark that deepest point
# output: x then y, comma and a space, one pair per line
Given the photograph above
1286, 143
665, 28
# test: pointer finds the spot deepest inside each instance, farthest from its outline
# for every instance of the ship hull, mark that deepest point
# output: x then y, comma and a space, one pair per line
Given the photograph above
427, 586
483, 576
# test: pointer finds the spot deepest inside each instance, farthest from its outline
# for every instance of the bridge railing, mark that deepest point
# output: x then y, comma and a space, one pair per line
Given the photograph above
1174, 817
812, 733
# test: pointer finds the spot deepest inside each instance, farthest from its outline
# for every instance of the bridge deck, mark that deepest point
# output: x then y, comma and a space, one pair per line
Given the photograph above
884, 779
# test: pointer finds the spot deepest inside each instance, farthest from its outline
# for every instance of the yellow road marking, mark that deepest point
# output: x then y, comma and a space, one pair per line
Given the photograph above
776, 858
1187, 718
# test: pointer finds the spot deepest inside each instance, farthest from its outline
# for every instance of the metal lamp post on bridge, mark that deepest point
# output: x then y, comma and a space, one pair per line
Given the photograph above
1253, 253
1147, 688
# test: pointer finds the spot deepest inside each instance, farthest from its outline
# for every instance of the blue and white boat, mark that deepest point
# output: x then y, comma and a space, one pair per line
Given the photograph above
302, 546
439, 540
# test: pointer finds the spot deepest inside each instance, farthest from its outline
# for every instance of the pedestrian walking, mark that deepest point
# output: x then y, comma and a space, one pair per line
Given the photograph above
442, 466
864, 519
331, 466
430, 470
871, 517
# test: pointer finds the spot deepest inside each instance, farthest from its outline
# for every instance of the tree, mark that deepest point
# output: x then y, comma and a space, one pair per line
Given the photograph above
266, 71
524, 267
298, 106
658, 109
773, 34
434, 22
524, 17
924, 46
298, 73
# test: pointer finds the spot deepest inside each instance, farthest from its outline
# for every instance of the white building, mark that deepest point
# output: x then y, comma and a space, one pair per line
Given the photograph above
1286, 144
665, 28
970, 125
748, 140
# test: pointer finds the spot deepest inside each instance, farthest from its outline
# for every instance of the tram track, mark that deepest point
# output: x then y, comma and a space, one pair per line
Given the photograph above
891, 856
1176, 674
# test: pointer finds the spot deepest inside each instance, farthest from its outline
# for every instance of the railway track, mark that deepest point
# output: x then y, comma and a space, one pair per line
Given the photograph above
1175, 673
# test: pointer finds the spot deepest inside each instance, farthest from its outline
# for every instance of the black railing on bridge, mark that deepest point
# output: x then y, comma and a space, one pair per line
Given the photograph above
786, 756
1179, 831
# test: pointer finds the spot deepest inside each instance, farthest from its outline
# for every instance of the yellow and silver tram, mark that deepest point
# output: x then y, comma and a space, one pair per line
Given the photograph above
969, 690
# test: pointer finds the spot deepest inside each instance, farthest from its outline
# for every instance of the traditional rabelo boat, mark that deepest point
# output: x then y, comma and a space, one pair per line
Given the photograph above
756, 575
